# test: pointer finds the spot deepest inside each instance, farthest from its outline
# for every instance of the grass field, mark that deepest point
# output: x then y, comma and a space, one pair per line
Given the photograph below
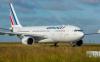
16, 52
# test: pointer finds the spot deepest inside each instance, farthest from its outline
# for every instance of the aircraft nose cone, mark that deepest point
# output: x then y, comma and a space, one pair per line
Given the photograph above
81, 34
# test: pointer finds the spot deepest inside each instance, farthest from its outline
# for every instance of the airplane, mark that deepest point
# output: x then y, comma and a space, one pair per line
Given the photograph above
37, 34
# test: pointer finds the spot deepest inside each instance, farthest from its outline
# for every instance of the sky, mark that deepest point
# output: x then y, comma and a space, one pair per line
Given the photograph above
82, 13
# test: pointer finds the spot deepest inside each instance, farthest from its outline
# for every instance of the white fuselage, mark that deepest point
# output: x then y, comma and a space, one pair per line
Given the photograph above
53, 33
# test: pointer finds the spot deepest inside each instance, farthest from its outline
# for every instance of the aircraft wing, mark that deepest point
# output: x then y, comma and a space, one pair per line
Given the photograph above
9, 33
98, 32
20, 34
92, 33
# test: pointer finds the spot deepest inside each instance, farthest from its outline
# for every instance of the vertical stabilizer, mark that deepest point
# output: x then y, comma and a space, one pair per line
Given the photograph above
13, 17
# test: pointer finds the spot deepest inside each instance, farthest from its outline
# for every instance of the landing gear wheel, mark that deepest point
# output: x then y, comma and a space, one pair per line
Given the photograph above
79, 43
55, 44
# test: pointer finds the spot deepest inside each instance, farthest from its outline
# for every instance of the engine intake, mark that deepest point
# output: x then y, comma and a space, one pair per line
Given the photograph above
30, 41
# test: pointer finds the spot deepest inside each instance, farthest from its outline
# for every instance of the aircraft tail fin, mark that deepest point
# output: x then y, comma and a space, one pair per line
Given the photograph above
13, 17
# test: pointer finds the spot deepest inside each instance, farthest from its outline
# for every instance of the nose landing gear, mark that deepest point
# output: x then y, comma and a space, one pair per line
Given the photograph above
78, 43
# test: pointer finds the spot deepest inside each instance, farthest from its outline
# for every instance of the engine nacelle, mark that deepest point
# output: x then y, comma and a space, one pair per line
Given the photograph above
28, 40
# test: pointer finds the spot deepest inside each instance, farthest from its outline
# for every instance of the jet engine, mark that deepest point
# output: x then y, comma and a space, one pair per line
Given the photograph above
28, 40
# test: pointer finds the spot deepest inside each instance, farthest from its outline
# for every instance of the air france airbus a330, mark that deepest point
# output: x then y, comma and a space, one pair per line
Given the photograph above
36, 34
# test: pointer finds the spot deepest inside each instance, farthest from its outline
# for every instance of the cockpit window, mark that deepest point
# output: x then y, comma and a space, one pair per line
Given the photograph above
77, 30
